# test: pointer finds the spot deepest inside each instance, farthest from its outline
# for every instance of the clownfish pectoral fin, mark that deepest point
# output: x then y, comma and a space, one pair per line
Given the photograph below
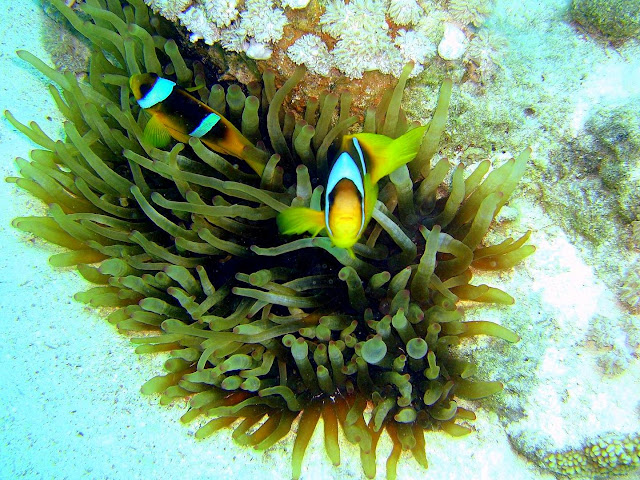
195, 88
298, 220
156, 133
385, 154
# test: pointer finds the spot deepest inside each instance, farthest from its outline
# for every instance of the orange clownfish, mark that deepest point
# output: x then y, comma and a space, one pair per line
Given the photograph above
175, 113
352, 189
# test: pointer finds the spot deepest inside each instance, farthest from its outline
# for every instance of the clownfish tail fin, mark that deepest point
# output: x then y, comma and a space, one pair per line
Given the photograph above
298, 220
386, 154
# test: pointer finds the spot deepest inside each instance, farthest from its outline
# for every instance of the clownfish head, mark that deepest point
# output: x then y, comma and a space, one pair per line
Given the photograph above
149, 89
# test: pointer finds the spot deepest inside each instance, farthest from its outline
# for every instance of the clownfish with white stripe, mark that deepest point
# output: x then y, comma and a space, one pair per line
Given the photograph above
175, 113
352, 187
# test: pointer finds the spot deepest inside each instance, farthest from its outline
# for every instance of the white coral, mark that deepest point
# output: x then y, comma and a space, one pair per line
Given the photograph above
263, 21
295, 4
197, 23
169, 9
364, 18
485, 50
470, 11
257, 50
414, 47
311, 51
363, 36
234, 39
221, 12
404, 12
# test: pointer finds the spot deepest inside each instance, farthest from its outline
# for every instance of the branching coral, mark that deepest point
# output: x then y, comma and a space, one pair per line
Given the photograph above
183, 246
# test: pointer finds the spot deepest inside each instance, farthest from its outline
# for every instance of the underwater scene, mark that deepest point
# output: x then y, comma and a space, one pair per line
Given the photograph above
320, 239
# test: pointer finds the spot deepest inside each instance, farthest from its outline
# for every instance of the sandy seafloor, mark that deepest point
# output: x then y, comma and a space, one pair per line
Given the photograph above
70, 405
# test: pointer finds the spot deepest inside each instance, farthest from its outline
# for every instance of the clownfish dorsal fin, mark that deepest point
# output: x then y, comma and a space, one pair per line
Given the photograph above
383, 154
156, 133
298, 220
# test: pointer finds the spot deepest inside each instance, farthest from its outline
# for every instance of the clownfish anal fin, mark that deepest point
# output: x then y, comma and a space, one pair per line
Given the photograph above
156, 133
298, 220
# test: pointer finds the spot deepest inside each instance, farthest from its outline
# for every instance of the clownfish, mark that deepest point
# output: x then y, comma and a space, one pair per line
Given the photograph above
352, 187
175, 113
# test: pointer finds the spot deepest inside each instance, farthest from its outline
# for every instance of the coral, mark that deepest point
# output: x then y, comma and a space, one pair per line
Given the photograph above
361, 29
171, 9
617, 19
182, 245
414, 47
610, 455
199, 25
470, 11
311, 51
68, 52
295, 4
485, 51
221, 12
260, 24
365, 34
405, 12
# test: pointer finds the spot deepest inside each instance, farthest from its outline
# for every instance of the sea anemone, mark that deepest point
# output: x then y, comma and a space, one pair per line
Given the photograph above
262, 330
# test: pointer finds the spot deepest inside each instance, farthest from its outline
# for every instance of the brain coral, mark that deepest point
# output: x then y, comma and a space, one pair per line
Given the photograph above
262, 331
